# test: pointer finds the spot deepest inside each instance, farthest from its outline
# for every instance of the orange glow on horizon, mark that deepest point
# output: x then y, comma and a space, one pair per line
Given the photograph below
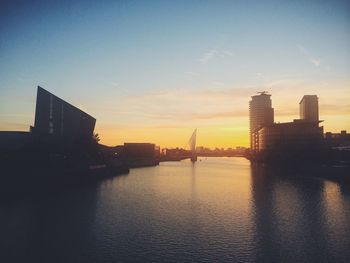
178, 137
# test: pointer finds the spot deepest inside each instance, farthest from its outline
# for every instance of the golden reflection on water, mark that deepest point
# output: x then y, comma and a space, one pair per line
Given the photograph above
215, 210
334, 206
227, 203
210, 196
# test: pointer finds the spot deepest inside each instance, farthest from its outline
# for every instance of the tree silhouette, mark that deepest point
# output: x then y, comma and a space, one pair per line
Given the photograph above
96, 137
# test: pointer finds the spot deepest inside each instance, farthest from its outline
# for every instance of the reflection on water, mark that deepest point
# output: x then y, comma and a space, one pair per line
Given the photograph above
292, 218
218, 209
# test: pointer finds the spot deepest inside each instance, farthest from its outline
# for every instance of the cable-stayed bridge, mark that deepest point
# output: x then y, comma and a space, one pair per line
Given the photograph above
189, 152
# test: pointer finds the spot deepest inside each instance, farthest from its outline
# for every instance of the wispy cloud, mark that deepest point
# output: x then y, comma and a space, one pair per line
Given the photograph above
191, 73
211, 54
335, 109
207, 56
312, 59
215, 104
262, 77
191, 115
226, 53
112, 84
183, 105
220, 114
218, 84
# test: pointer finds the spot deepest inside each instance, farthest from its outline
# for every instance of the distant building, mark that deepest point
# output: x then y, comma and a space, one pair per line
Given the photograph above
308, 107
140, 154
260, 114
176, 152
340, 140
55, 117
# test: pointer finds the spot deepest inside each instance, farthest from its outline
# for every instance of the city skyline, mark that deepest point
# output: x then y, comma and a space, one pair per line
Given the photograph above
154, 72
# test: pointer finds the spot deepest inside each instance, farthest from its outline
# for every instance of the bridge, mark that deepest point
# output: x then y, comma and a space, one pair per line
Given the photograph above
181, 154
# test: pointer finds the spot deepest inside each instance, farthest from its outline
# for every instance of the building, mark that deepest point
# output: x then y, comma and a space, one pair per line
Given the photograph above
309, 108
260, 114
13, 140
55, 117
290, 135
339, 141
140, 154
299, 134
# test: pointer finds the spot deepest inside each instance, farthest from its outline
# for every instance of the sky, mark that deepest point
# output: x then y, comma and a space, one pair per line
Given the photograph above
153, 71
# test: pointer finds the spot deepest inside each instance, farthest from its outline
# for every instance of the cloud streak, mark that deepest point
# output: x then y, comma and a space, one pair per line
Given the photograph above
308, 56
213, 53
215, 106
206, 57
192, 73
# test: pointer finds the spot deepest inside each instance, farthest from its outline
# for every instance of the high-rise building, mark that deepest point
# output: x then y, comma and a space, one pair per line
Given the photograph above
309, 108
260, 114
299, 134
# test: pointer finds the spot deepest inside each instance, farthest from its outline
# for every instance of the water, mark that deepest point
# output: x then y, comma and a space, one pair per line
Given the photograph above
216, 210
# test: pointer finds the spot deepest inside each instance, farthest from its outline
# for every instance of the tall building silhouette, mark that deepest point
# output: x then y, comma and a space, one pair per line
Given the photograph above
309, 108
260, 114
265, 135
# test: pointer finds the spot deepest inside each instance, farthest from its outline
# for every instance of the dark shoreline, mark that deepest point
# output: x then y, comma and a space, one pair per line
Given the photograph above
21, 182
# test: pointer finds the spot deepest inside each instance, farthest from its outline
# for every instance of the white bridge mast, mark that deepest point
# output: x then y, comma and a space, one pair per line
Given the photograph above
192, 144
192, 141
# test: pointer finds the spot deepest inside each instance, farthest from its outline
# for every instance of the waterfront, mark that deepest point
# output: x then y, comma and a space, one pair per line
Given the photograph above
214, 210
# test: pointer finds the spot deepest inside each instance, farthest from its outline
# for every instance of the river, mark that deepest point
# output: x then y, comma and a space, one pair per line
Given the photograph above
215, 210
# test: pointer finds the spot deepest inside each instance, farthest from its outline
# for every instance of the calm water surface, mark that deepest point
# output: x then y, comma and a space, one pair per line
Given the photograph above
216, 210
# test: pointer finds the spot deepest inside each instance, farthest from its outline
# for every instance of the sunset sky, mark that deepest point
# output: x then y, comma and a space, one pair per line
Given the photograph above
153, 71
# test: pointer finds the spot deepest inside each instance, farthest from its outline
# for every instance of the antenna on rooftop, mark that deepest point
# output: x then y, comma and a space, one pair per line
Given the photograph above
262, 92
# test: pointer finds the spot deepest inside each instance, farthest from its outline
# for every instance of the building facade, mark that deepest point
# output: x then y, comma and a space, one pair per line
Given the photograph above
308, 108
55, 117
290, 135
261, 114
